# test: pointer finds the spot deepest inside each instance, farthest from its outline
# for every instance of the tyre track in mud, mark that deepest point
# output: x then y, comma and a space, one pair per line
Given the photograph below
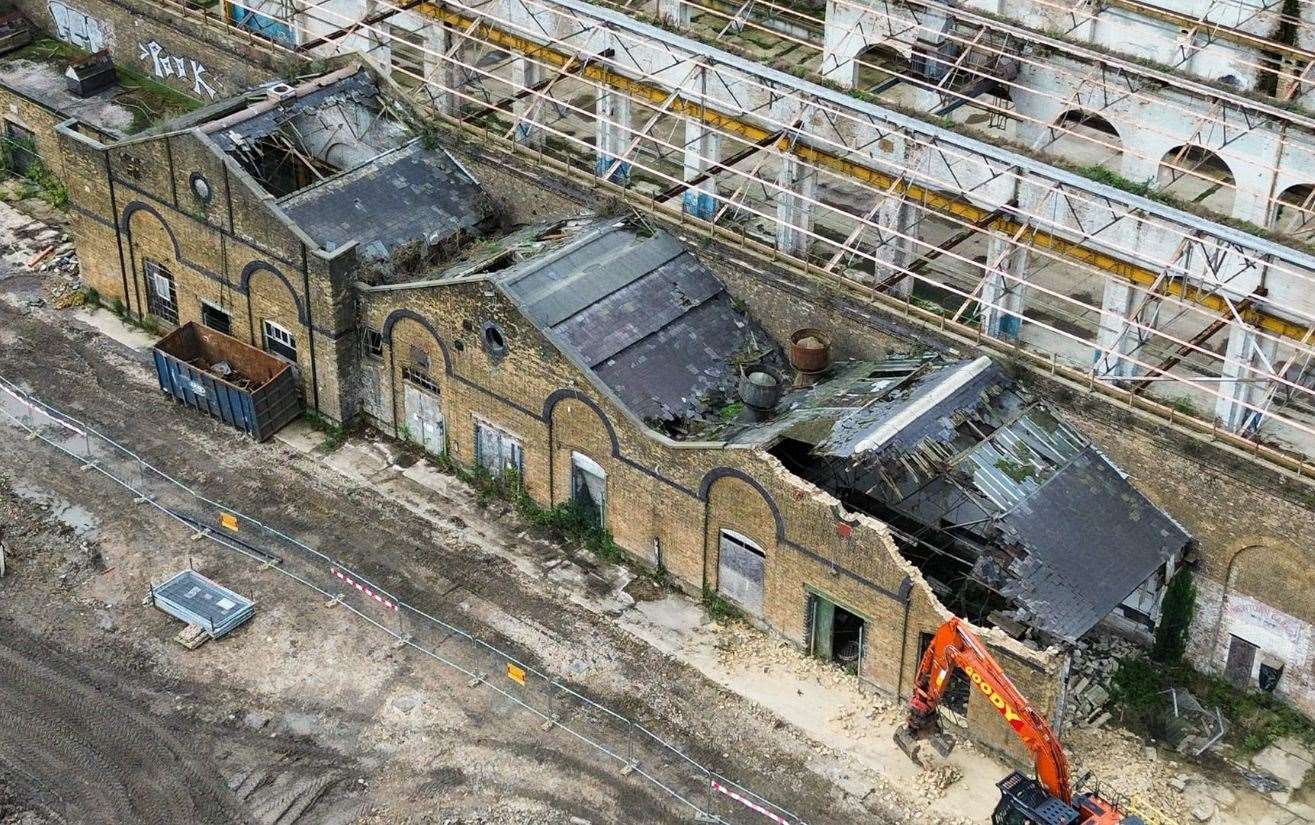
85, 751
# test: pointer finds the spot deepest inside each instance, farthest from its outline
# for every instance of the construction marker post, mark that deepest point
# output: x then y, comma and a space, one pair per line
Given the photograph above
553, 715
709, 813
749, 803
631, 762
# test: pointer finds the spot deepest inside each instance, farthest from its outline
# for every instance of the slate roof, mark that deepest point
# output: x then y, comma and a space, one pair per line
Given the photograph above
642, 314
1092, 540
410, 194
1067, 537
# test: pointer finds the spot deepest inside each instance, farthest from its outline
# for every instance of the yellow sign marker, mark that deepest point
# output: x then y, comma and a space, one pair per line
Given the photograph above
228, 521
516, 673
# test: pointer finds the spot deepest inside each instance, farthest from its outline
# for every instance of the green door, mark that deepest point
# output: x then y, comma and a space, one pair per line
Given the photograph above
824, 616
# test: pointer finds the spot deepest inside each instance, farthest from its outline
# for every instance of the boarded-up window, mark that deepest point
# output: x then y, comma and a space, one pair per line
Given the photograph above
1241, 661
216, 318
741, 568
497, 451
20, 148
589, 487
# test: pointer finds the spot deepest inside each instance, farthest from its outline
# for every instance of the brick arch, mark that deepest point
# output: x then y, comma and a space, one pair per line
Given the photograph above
138, 206
1271, 554
411, 315
1274, 558
557, 396
249, 271
719, 473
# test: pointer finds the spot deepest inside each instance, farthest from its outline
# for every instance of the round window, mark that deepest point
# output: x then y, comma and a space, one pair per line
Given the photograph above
201, 187
494, 342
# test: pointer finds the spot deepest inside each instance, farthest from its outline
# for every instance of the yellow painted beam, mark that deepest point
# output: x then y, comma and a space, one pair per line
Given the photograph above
943, 202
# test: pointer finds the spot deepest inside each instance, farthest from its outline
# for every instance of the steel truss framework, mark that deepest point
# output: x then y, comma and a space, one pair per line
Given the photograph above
1041, 216
1220, 118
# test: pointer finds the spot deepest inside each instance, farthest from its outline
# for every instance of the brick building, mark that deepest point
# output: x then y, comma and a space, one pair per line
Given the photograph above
404, 358
596, 360
256, 215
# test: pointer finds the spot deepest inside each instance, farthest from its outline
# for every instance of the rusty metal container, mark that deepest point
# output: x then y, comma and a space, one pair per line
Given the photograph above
240, 385
810, 350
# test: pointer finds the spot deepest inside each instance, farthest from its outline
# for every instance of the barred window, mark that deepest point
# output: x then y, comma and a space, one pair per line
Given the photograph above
420, 378
374, 343
161, 296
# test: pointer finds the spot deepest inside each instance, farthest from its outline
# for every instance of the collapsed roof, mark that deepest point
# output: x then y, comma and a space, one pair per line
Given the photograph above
954, 455
1026, 505
346, 168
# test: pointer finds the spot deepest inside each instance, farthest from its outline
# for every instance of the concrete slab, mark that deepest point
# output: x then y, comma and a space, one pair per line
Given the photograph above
361, 460
111, 326
1288, 760
301, 436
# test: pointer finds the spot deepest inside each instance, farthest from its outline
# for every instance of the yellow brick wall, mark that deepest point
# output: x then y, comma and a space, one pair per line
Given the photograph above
655, 490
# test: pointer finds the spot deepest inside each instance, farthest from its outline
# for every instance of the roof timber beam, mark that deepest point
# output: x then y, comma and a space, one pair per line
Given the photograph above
951, 204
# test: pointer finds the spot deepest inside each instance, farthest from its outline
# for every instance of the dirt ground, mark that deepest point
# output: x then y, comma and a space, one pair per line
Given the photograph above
313, 714
309, 714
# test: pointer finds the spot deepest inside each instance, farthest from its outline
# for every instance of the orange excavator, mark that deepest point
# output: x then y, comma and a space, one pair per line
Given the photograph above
1046, 800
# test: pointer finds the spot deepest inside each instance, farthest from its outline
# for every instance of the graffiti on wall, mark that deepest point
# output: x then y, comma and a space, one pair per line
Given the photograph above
79, 28
165, 65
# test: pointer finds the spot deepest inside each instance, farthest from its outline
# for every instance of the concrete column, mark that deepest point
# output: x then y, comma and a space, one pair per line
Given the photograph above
794, 205
1002, 292
612, 134
438, 40
675, 12
1135, 168
1116, 338
528, 110
702, 150
841, 39
895, 249
1245, 361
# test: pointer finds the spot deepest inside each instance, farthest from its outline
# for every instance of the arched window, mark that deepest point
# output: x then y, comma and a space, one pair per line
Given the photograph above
1087, 138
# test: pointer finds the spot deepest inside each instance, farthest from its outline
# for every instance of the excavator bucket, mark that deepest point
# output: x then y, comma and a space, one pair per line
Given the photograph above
915, 744
908, 741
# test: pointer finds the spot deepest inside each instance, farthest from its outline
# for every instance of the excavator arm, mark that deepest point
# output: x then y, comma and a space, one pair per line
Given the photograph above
954, 647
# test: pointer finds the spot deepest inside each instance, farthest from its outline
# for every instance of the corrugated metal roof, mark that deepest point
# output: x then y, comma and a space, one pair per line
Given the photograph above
925, 407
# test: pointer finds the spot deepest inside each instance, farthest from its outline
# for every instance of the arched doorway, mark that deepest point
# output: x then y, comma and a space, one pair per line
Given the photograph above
877, 67
1294, 213
1088, 139
1197, 175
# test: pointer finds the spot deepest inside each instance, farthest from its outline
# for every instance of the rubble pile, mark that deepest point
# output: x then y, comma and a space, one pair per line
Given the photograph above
1091, 672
